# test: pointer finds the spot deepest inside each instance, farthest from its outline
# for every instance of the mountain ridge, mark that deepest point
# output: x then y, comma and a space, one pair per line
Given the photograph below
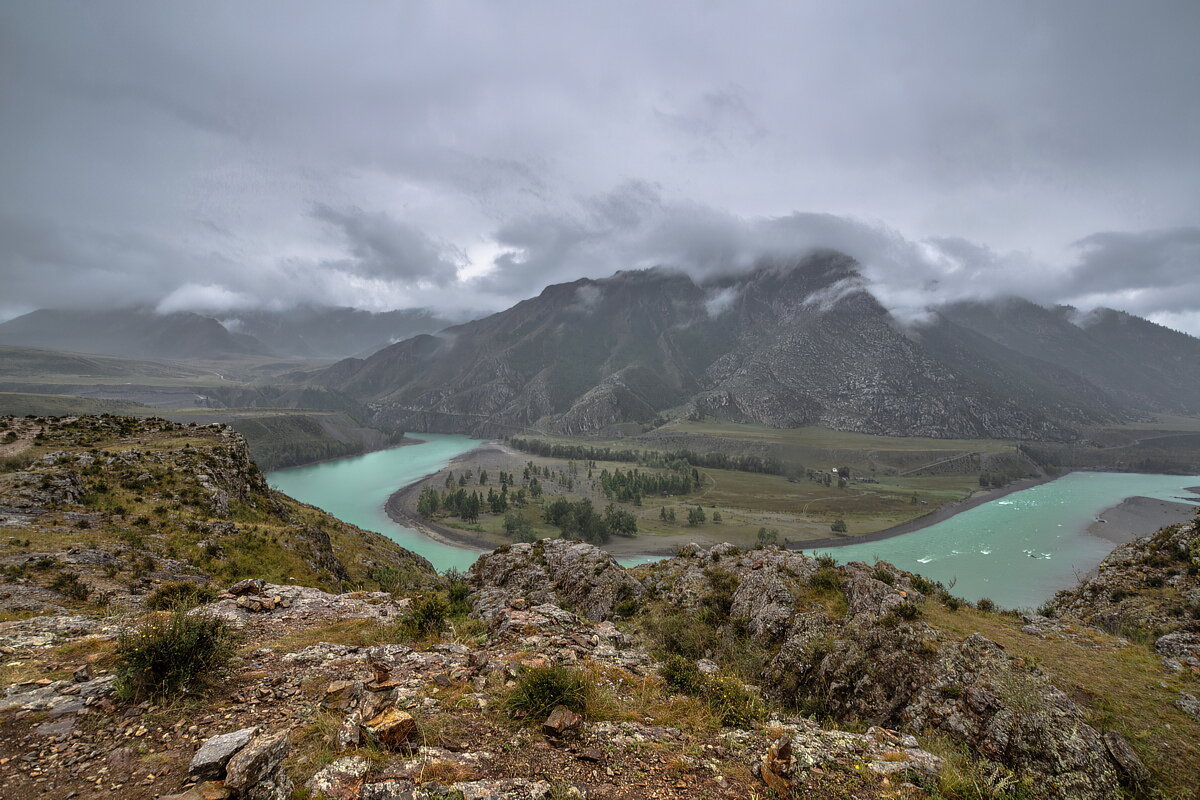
788, 344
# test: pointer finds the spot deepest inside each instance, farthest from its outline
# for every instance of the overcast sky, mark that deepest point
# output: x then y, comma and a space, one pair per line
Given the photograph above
458, 155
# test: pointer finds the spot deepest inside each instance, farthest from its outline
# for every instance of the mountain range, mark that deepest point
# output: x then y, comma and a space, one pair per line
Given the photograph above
790, 343
306, 332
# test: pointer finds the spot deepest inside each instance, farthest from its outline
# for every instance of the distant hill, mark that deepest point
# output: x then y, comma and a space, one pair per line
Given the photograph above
788, 344
133, 333
310, 332
327, 332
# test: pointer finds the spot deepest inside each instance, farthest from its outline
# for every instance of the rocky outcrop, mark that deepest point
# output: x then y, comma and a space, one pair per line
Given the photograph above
878, 662
1150, 585
574, 575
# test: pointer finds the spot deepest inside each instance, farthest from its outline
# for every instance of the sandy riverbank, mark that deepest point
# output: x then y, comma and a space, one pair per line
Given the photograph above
405, 498
1135, 517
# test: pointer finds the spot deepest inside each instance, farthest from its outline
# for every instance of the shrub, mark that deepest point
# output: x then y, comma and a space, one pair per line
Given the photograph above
986, 604
15, 463
679, 634
68, 584
826, 579
540, 689
427, 615
905, 612
683, 675
732, 703
627, 608
457, 592
394, 579
719, 598
882, 575
173, 654
180, 594
923, 585
826, 562
839, 526
953, 603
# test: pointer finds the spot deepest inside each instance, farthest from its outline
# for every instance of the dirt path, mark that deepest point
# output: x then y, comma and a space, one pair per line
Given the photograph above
25, 430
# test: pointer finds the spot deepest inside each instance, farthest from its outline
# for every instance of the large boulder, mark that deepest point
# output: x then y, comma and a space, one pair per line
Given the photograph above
572, 575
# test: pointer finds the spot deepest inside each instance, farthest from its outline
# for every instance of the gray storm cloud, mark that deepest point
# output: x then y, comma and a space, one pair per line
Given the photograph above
461, 155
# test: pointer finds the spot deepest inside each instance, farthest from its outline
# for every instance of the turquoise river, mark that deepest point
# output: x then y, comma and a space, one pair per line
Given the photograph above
1017, 550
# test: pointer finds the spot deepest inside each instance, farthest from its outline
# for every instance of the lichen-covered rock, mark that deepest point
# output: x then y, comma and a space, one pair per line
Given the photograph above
573, 575
212, 757
340, 780
254, 771
877, 662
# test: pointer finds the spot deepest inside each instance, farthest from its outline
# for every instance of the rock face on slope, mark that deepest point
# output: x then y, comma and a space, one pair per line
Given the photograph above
574, 575
849, 640
878, 662
787, 344
1151, 585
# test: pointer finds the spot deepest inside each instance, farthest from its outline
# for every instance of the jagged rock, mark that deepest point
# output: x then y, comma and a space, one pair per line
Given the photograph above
340, 780
253, 772
389, 790
776, 767
210, 760
340, 695
561, 721
392, 728
82, 673
1182, 646
287, 602
1126, 759
500, 789
870, 665
572, 575
247, 587
1150, 583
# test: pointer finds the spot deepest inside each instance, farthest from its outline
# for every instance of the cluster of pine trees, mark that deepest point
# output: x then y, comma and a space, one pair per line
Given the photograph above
632, 486
656, 458
695, 516
467, 506
580, 520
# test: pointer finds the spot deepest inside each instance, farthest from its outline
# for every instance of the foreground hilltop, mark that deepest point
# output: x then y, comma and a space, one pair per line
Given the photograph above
788, 344
548, 671
131, 501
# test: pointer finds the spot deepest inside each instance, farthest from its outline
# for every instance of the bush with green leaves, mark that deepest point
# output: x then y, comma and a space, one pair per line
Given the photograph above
826, 579
457, 591
732, 703
683, 675
427, 615
173, 654
679, 634
179, 594
540, 689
